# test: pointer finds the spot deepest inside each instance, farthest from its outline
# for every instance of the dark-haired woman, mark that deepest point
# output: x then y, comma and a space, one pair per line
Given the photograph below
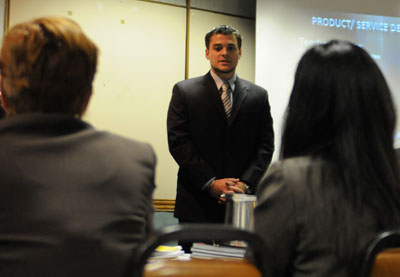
337, 183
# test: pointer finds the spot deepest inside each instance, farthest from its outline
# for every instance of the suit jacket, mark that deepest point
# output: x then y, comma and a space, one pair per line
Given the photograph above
206, 145
292, 216
397, 150
73, 201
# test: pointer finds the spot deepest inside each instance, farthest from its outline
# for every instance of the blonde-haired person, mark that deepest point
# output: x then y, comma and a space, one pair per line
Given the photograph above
74, 201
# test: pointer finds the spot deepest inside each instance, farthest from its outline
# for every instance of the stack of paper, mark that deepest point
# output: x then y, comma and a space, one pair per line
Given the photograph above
164, 251
202, 250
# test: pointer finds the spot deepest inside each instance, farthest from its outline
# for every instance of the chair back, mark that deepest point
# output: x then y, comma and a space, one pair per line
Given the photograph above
201, 232
382, 257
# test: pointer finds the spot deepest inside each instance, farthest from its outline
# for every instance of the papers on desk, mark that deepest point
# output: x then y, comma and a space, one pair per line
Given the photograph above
164, 251
203, 250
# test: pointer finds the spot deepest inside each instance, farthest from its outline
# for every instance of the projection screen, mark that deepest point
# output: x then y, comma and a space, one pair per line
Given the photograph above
286, 28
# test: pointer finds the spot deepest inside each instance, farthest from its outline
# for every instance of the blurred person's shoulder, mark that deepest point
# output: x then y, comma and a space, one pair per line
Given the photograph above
299, 171
124, 143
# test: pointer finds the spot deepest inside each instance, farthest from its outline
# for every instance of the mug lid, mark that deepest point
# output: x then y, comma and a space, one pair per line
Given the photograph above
240, 197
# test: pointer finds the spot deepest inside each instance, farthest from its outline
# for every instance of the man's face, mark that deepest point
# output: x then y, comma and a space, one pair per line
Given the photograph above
224, 54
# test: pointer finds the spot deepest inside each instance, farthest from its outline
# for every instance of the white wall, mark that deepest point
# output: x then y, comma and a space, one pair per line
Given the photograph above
142, 55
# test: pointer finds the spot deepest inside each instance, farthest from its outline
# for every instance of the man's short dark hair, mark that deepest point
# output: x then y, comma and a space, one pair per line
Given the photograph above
225, 30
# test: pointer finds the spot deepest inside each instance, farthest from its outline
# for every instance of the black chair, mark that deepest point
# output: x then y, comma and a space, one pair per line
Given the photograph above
201, 232
381, 245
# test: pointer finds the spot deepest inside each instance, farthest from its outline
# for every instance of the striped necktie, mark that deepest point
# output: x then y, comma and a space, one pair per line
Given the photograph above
226, 99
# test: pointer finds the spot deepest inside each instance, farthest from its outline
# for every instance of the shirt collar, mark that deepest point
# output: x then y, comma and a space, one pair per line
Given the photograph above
218, 81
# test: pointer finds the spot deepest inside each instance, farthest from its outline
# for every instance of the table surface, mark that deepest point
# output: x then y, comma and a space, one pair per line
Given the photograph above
387, 263
196, 267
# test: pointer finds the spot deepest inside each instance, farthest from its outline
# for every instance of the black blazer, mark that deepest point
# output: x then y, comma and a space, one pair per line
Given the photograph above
206, 145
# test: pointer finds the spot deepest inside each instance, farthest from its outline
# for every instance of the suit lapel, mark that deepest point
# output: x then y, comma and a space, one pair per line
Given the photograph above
239, 97
213, 94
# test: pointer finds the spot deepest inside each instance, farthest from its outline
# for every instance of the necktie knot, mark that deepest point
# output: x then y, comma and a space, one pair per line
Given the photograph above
225, 87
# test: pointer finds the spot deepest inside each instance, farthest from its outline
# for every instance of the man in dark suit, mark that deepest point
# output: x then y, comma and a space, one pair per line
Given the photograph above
74, 201
222, 144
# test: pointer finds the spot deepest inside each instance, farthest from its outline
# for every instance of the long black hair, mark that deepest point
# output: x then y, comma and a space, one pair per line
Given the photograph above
341, 110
